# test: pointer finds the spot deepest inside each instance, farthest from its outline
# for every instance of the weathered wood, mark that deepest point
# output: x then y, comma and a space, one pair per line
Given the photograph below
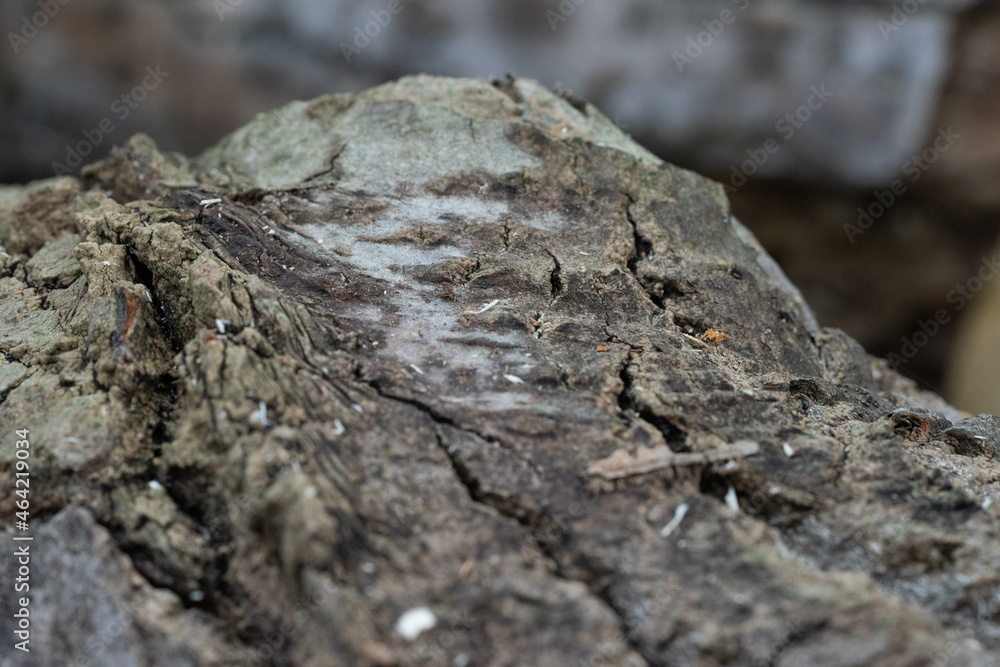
341, 378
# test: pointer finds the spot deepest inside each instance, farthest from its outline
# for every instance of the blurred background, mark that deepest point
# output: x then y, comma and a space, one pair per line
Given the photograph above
859, 139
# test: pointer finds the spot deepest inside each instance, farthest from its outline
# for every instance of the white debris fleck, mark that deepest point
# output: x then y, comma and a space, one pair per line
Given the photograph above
461, 660
491, 304
326, 371
368, 568
196, 596
311, 491
155, 486
319, 241
149, 296
416, 368
679, 513
209, 202
338, 427
986, 503
358, 407
783, 549
748, 392
731, 500
221, 324
411, 624
260, 414
223, 415
194, 382
106, 263
513, 378
787, 449
774, 490
584, 253
729, 465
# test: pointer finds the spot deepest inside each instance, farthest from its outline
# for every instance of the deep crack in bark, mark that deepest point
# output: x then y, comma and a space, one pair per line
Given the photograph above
555, 279
511, 509
642, 249
675, 437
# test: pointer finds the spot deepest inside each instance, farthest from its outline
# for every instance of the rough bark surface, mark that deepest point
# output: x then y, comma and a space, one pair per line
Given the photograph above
374, 377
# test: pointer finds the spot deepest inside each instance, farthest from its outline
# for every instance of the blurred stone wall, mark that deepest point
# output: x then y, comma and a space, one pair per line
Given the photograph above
809, 111
703, 80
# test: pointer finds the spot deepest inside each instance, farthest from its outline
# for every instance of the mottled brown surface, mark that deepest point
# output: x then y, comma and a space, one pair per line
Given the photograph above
372, 379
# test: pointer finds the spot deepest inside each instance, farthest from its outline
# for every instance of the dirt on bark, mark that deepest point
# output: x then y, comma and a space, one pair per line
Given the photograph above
338, 391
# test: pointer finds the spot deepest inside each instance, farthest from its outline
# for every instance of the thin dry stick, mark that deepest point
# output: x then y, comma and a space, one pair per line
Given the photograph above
621, 464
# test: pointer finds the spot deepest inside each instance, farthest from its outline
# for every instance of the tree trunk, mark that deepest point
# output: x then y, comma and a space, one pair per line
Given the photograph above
450, 373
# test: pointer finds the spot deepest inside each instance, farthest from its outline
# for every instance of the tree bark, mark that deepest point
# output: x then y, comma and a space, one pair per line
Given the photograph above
451, 373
